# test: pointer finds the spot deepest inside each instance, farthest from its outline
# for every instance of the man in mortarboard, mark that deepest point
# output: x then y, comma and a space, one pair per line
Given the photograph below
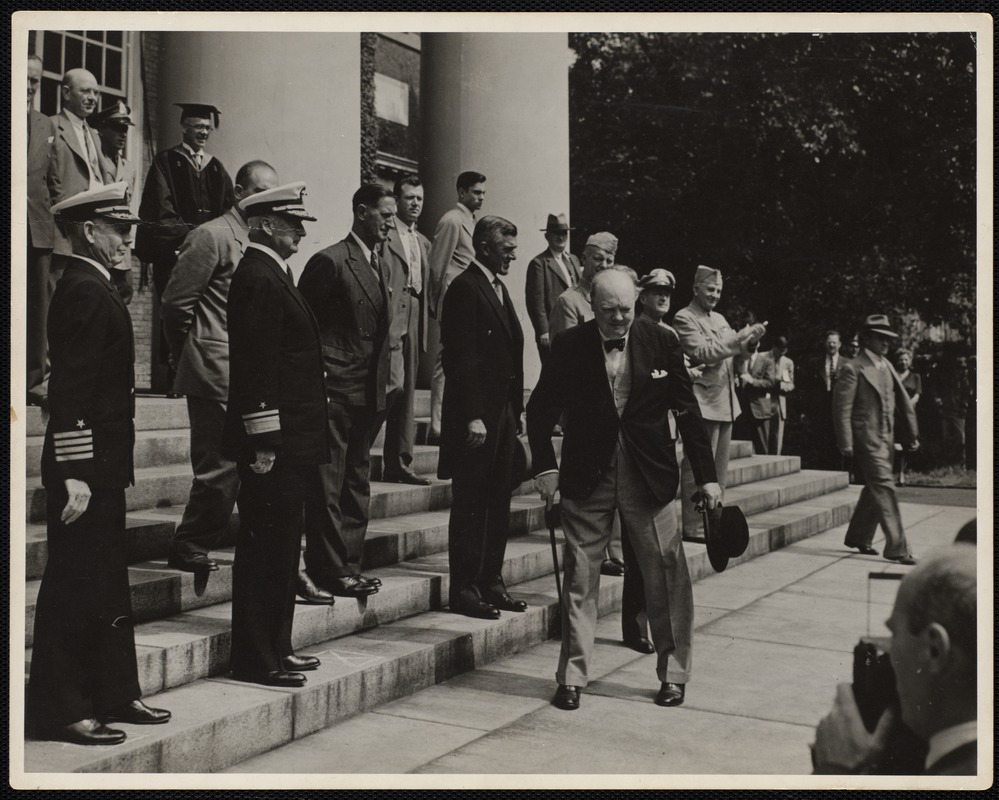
83, 667
185, 187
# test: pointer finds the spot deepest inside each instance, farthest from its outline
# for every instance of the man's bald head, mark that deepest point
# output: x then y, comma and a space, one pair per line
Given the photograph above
80, 92
613, 302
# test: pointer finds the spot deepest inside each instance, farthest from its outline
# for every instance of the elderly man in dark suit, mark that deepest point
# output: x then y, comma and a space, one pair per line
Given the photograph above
548, 275
616, 383
194, 321
347, 286
483, 348
83, 668
41, 138
868, 402
407, 252
275, 429
934, 654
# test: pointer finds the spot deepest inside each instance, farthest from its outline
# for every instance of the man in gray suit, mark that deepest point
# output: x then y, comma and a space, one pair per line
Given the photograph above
195, 325
867, 394
407, 253
548, 275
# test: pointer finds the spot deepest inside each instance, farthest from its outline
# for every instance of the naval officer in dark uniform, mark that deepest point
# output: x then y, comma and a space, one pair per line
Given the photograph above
83, 669
275, 430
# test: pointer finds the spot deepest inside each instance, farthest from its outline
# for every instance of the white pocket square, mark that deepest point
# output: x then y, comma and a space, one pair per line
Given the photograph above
659, 373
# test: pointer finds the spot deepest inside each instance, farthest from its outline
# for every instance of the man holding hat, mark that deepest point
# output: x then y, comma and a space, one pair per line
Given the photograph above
616, 382
275, 430
572, 307
867, 395
185, 187
711, 344
548, 275
83, 668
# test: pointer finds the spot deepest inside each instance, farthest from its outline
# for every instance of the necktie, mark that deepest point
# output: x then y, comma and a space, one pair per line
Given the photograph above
415, 278
374, 265
288, 270
829, 371
92, 156
498, 286
613, 344
198, 158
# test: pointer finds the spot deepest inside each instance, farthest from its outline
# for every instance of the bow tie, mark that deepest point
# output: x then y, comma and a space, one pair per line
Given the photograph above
613, 344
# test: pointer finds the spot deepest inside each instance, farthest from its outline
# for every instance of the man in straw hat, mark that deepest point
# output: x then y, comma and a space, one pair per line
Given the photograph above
867, 395
83, 667
711, 344
275, 429
615, 383
548, 275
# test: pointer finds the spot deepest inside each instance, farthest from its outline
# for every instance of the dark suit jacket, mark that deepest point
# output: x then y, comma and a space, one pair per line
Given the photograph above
483, 359
574, 380
762, 388
91, 389
545, 282
41, 145
398, 268
962, 760
277, 394
352, 308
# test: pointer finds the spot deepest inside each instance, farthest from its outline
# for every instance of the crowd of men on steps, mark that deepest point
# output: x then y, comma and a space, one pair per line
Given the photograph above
288, 384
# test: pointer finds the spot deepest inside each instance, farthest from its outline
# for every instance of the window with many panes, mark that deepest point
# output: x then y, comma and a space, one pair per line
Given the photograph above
104, 53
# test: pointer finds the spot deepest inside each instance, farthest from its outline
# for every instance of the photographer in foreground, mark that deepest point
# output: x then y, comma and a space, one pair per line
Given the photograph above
933, 653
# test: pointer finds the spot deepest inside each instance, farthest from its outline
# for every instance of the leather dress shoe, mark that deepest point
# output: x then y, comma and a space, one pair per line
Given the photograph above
863, 549
671, 694
373, 581
612, 566
406, 476
137, 713
198, 563
639, 644
566, 698
89, 731
278, 677
473, 607
295, 663
908, 561
351, 586
504, 602
306, 588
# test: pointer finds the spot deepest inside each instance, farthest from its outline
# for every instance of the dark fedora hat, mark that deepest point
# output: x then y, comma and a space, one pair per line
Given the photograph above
726, 535
557, 222
878, 323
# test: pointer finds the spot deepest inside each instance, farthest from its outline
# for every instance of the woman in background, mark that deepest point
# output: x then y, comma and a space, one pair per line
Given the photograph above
914, 387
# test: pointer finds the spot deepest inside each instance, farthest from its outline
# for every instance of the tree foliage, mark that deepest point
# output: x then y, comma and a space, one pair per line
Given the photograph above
828, 176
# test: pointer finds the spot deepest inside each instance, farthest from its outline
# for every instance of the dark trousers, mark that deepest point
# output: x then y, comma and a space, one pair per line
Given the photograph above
334, 534
272, 508
400, 424
40, 286
83, 658
215, 485
761, 435
634, 620
480, 510
161, 277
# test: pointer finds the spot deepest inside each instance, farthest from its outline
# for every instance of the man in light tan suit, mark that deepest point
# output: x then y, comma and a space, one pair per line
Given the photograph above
196, 326
867, 396
711, 344
785, 385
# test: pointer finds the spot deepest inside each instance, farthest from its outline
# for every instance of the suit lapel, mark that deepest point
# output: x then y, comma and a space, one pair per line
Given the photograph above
870, 372
494, 302
638, 356
68, 134
239, 230
395, 245
552, 264
593, 357
363, 272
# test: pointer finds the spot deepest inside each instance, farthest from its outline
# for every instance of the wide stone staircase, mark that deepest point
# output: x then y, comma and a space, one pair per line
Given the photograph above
394, 643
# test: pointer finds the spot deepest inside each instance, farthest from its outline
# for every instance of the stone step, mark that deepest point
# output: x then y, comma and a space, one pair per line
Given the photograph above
153, 448
365, 666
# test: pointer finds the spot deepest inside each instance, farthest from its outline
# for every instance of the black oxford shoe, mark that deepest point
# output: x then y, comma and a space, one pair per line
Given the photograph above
352, 586
89, 731
566, 698
279, 677
198, 563
671, 694
473, 607
314, 595
137, 713
295, 663
406, 476
373, 581
863, 549
613, 567
504, 602
640, 644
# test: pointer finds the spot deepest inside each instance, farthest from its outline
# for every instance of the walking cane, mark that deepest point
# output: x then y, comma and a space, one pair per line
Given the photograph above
551, 519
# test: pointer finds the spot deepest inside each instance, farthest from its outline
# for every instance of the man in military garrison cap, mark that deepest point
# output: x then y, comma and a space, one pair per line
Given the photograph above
185, 187
83, 668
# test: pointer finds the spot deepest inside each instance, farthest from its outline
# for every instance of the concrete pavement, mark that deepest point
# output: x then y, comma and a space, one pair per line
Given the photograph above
774, 637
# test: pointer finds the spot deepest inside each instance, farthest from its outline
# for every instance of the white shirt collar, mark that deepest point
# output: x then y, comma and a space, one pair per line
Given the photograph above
103, 270
78, 122
191, 150
364, 248
877, 360
557, 256
949, 739
402, 227
609, 338
264, 248
466, 209
485, 271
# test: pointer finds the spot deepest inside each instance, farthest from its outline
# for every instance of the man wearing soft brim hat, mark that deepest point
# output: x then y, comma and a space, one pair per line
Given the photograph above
548, 275
83, 667
867, 395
